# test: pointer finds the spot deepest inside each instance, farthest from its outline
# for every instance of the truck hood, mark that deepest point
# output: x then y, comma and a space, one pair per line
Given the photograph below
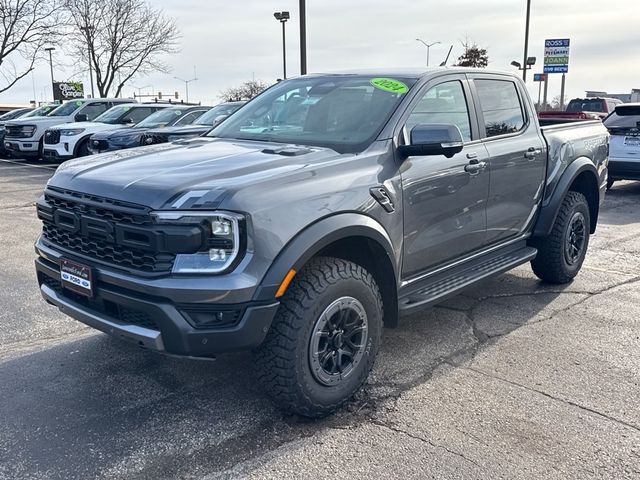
41, 121
95, 126
201, 170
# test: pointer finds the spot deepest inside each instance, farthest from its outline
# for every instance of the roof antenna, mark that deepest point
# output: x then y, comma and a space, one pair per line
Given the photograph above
444, 64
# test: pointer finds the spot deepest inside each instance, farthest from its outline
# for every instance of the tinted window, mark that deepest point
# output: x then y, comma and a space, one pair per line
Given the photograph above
444, 103
501, 106
162, 118
624, 116
189, 118
66, 109
137, 114
578, 105
93, 110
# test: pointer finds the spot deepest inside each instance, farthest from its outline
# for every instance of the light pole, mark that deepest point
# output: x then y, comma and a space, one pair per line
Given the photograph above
529, 63
282, 17
525, 57
428, 45
51, 49
303, 37
87, 29
187, 82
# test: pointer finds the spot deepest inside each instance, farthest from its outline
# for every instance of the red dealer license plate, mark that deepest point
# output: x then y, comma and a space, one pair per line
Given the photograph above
76, 277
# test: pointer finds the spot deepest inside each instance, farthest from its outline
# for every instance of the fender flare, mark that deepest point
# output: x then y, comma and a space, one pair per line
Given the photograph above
314, 238
551, 207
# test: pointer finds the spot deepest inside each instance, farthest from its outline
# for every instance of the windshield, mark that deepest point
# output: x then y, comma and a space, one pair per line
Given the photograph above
624, 116
162, 118
223, 109
14, 114
41, 112
113, 115
66, 109
342, 112
585, 106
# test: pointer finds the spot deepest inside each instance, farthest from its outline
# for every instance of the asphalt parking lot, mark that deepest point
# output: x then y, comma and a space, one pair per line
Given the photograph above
513, 379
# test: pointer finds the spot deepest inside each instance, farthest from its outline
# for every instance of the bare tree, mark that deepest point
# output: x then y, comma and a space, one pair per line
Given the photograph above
122, 39
27, 25
245, 91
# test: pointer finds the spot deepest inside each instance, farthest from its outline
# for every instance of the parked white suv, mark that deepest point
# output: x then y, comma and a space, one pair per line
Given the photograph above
24, 137
70, 140
624, 143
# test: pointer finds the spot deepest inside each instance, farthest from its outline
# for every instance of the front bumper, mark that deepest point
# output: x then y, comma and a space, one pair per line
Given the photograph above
163, 319
49, 154
622, 169
22, 148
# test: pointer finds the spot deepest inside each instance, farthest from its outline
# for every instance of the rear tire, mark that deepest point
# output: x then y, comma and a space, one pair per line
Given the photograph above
324, 339
561, 254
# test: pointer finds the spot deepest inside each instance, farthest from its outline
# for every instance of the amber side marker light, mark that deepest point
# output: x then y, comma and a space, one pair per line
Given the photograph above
285, 283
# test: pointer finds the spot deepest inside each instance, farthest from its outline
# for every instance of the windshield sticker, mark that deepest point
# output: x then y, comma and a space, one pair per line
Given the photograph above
389, 85
178, 113
126, 109
78, 103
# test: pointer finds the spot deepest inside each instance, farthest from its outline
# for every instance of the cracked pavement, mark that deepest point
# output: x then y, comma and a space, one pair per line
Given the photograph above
511, 379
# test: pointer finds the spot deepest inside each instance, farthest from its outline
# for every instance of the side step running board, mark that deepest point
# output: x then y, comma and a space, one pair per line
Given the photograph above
450, 282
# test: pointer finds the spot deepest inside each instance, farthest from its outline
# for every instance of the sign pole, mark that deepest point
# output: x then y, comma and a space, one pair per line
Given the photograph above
539, 94
562, 92
546, 90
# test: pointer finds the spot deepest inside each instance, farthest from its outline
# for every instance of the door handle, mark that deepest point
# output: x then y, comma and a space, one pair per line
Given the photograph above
532, 153
474, 167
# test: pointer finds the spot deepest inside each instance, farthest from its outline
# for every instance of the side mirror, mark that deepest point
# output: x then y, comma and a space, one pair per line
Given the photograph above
433, 139
81, 117
219, 119
127, 121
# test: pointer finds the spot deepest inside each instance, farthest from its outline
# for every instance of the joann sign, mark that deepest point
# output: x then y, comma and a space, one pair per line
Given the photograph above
67, 90
556, 55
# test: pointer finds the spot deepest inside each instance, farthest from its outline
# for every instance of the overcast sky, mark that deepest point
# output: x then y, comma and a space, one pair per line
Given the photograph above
233, 41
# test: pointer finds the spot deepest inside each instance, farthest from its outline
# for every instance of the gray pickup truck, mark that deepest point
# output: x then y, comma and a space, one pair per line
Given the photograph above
321, 211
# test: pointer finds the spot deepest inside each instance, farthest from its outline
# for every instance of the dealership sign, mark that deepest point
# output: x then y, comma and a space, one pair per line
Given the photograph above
556, 55
67, 90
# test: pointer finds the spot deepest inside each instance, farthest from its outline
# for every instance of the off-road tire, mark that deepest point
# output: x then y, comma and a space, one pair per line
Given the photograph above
282, 362
551, 264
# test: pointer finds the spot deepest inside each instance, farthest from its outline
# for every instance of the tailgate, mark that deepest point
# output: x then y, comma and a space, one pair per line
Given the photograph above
625, 146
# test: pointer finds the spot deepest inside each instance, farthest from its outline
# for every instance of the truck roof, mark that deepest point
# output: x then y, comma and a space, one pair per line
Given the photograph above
414, 72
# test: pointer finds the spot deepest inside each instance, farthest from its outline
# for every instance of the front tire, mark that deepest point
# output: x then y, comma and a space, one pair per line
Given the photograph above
83, 149
561, 254
324, 339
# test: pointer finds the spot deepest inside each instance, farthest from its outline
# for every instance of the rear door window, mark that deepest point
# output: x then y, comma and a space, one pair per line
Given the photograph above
624, 116
501, 107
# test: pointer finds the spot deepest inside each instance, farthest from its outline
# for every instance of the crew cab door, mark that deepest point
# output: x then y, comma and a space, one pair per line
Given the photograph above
517, 154
444, 198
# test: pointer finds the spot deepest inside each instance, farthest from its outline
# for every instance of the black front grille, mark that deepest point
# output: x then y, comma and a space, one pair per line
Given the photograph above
108, 253
19, 131
136, 255
52, 137
125, 315
153, 138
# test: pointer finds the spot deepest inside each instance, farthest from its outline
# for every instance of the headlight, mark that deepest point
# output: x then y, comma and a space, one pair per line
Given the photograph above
222, 243
71, 131
123, 139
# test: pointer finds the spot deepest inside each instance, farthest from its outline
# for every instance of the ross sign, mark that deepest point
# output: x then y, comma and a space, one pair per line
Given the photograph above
67, 91
556, 55
539, 77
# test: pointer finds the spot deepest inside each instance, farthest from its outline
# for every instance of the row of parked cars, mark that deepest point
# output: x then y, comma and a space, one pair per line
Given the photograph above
82, 127
623, 122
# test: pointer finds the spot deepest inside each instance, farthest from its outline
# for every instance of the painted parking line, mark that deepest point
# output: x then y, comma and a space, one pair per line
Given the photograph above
47, 166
